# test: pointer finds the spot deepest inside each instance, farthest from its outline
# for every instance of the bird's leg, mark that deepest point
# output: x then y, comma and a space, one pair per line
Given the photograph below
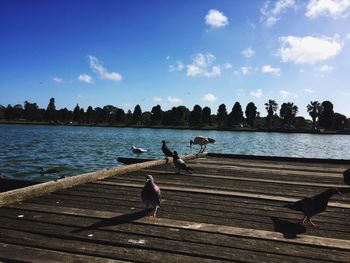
205, 146
303, 221
178, 172
155, 212
313, 224
167, 159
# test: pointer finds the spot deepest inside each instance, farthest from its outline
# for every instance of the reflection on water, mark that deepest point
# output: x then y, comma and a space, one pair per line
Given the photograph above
75, 150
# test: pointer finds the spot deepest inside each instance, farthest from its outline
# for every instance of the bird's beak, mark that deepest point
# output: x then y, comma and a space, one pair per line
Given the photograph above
147, 180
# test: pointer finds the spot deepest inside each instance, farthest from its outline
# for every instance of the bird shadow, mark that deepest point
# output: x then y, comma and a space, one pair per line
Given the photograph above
288, 229
117, 220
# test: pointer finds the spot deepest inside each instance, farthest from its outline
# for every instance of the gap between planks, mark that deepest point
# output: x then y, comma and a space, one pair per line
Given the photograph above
195, 226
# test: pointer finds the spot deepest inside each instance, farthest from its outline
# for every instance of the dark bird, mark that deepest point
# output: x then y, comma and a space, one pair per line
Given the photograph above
180, 164
202, 141
167, 152
151, 196
347, 176
311, 206
48, 171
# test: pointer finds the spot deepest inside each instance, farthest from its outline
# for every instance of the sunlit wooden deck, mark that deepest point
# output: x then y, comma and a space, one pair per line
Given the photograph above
229, 210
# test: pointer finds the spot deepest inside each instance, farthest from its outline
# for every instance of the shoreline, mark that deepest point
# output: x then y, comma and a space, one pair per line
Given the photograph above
106, 125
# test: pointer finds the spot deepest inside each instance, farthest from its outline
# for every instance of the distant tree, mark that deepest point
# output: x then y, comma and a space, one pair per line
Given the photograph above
299, 122
64, 115
51, 114
76, 114
17, 112
32, 112
196, 116
136, 116
271, 106
288, 112
326, 115
100, 116
251, 113
2, 112
339, 121
90, 115
177, 116
128, 117
109, 112
146, 118
236, 115
157, 115
221, 116
82, 116
120, 116
314, 109
206, 116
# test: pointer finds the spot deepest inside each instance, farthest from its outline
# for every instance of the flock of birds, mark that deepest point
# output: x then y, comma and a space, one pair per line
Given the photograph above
309, 206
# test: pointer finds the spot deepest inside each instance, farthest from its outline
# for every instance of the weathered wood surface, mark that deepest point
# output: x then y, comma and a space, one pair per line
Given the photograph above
229, 210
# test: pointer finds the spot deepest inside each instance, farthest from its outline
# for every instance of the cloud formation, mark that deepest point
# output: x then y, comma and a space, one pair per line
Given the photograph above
270, 14
57, 80
85, 78
285, 94
174, 100
209, 97
248, 52
267, 69
216, 19
97, 67
308, 50
326, 68
256, 93
202, 66
178, 66
330, 8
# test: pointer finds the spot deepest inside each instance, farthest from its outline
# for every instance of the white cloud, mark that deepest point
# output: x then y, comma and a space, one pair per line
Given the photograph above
202, 66
167, 57
271, 14
97, 67
256, 93
178, 66
348, 36
57, 80
174, 100
308, 50
216, 19
244, 71
209, 97
331, 8
248, 52
157, 99
85, 78
285, 94
227, 66
267, 69
310, 90
325, 68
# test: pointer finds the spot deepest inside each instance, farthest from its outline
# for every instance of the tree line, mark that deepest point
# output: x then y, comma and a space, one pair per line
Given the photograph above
322, 115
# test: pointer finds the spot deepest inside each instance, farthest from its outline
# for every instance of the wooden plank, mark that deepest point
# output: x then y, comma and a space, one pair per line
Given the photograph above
48, 187
11, 252
325, 185
222, 192
195, 226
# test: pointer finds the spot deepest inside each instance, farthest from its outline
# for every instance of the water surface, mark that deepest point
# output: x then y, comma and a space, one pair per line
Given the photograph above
75, 150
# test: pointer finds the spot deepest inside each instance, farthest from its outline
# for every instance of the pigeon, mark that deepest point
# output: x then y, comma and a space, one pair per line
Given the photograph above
311, 206
151, 196
202, 141
137, 150
167, 152
347, 176
180, 164
48, 171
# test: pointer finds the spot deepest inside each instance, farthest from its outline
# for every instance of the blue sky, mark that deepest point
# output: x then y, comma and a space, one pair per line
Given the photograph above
175, 53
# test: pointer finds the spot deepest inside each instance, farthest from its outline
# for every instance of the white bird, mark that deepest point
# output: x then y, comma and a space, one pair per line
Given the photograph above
137, 150
202, 141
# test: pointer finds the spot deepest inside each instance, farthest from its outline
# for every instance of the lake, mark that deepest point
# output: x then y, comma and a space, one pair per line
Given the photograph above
75, 150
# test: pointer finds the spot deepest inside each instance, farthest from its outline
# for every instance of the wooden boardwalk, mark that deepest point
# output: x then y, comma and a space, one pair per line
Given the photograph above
229, 210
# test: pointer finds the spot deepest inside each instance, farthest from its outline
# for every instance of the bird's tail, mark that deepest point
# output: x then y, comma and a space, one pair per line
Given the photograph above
189, 168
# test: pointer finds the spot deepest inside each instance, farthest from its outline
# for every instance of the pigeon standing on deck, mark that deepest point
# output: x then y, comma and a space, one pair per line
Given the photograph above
180, 164
347, 176
151, 196
311, 206
167, 152
202, 141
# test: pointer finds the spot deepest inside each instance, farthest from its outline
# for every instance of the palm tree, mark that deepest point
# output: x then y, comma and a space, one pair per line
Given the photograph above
271, 107
288, 112
314, 109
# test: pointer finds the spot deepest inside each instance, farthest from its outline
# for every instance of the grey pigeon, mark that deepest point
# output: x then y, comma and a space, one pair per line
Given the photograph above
311, 206
167, 152
347, 176
180, 164
151, 196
